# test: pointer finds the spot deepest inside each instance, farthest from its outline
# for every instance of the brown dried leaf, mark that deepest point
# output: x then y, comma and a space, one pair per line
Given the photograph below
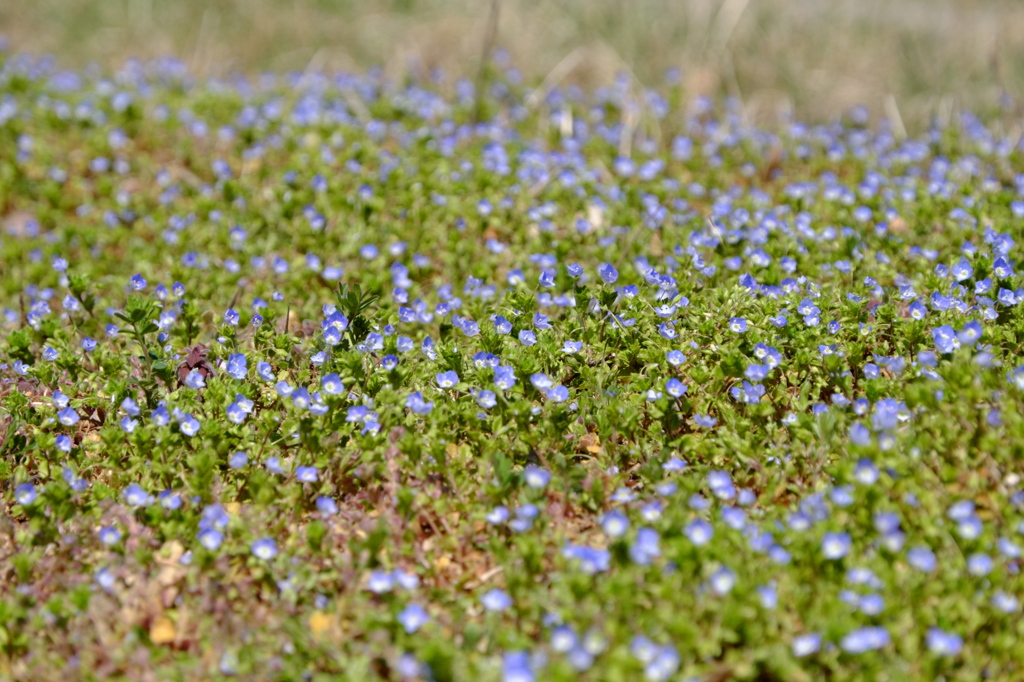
161, 631
319, 623
589, 442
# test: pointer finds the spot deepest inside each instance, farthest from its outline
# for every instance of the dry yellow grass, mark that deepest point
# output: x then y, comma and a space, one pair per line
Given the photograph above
814, 57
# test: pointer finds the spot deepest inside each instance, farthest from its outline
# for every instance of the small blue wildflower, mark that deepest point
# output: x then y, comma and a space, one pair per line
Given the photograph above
614, 523
864, 639
135, 496
945, 338
486, 399
536, 477
570, 347
413, 617
699, 532
195, 380
704, 421
943, 643
264, 548
675, 388
835, 545
210, 538
306, 474
805, 645
646, 547
557, 394
608, 273
418, 404
68, 416
326, 505
447, 379
25, 494
496, 600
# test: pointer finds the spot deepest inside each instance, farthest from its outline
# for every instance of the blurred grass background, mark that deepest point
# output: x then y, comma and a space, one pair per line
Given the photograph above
814, 58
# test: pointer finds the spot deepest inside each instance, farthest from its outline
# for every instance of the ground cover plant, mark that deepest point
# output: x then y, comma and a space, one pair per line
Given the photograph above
336, 377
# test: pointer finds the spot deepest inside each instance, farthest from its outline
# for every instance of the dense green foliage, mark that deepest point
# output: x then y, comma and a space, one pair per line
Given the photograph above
319, 378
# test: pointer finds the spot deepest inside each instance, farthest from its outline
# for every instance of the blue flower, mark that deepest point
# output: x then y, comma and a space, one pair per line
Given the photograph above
516, 667
306, 474
418, 404
747, 393
542, 383
756, 372
413, 617
265, 371
536, 477
962, 270
835, 545
331, 384
646, 547
236, 366
195, 380
68, 416
943, 643
557, 394
675, 357
864, 639
527, 337
737, 324
675, 388
979, 564
805, 645
210, 538
109, 535
300, 397
486, 399
496, 600
663, 665
25, 494
722, 581
135, 496
160, 416
769, 597
504, 377
447, 379
721, 484
235, 413
326, 505
608, 273
945, 338
264, 548
699, 532
498, 515
591, 560
1005, 602
704, 421
189, 425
